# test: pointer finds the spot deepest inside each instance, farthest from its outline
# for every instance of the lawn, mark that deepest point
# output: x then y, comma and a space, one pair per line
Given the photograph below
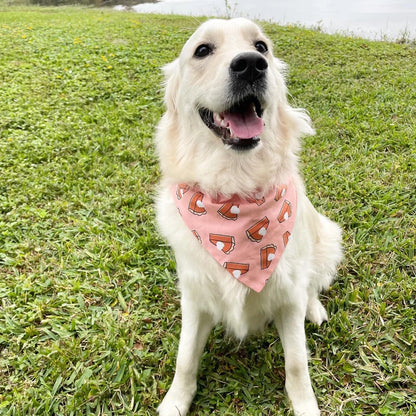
89, 310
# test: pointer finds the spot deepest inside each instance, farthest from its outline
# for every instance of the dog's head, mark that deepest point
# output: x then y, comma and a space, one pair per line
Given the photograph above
226, 71
227, 91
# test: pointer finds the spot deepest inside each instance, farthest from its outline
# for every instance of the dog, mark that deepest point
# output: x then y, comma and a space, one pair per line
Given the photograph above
249, 246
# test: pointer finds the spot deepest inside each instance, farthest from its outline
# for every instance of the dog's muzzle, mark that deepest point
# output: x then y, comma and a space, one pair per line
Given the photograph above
240, 125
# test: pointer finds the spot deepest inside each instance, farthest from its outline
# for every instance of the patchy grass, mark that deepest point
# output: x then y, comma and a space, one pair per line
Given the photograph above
89, 312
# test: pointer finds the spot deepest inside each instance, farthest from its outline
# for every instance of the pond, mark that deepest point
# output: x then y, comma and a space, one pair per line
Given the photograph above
374, 19
93, 3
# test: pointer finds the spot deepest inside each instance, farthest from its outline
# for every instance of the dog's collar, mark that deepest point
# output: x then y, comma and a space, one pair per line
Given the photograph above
247, 236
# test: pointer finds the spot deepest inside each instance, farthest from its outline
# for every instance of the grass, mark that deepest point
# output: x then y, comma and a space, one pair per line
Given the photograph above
89, 312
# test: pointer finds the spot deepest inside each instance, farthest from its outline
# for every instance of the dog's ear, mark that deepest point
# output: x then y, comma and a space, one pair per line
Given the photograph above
171, 84
293, 122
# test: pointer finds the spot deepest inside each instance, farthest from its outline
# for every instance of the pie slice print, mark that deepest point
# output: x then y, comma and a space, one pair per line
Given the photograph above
258, 230
198, 237
224, 243
229, 211
285, 212
196, 204
181, 189
267, 254
237, 269
286, 237
280, 193
258, 201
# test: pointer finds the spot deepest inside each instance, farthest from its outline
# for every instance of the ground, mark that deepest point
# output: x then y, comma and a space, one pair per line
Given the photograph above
89, 312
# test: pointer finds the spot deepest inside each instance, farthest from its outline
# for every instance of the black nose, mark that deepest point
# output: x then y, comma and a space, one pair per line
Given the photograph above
248, 66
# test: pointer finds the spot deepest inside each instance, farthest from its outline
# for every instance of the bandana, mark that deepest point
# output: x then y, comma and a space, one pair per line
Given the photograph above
247, 236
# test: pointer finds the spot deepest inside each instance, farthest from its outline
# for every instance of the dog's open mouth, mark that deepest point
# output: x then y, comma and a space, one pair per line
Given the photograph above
240, 126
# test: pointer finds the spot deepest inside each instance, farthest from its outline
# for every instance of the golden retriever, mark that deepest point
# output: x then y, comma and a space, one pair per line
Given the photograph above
250, 247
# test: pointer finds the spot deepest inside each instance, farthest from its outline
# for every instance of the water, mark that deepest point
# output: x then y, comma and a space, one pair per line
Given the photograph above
373, 19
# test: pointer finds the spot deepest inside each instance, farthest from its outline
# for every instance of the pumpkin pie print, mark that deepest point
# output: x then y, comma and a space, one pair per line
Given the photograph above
286, 237
196, 204
237, 269
280, 192
181, 189
258, 201
256, 232
246, 236
285, 212
198, 237
229, 211
224, 243
267, 254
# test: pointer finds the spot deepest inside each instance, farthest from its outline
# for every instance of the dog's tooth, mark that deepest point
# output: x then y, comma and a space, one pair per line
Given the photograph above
224, 123
217, 119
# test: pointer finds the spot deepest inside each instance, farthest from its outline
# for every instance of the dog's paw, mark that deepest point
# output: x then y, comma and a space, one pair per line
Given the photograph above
308, 413
168, 408
175, 403
307, 410
316, 313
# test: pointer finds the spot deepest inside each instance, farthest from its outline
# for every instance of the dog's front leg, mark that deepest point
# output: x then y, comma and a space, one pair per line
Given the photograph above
290, 324
196, 327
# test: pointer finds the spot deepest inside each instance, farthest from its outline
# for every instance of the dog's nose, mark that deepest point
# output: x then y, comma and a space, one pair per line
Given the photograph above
248, 66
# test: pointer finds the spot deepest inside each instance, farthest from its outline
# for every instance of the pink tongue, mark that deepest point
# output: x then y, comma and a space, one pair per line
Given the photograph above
246, 125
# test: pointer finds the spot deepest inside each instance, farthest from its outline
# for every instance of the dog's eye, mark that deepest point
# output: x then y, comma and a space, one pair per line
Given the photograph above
261, 46
203, 50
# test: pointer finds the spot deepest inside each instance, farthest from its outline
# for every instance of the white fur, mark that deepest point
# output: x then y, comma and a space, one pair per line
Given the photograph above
190, 153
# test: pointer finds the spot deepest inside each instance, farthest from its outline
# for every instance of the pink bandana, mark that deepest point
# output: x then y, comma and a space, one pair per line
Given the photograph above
246, 236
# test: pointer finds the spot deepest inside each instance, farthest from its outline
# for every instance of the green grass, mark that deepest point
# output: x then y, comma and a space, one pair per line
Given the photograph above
89, 312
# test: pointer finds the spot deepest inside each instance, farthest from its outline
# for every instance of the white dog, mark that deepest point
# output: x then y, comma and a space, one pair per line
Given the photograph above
250, 247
